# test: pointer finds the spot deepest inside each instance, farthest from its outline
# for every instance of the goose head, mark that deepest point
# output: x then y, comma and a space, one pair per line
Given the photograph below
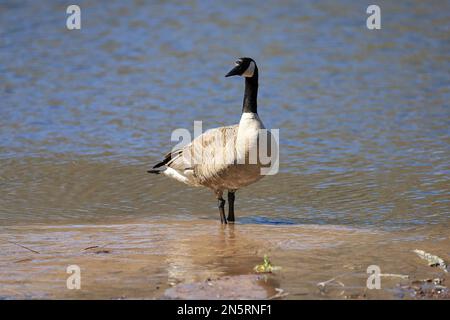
245, 67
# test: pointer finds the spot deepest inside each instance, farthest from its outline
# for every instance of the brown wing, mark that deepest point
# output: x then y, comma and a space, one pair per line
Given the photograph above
204, 153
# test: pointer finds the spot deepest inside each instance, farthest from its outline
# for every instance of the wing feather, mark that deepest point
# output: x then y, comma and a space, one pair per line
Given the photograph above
207, 155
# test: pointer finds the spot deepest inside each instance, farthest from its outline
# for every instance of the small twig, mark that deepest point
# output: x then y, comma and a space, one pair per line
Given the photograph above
323, 284
92, 247
23, 260
280, 294
18, 244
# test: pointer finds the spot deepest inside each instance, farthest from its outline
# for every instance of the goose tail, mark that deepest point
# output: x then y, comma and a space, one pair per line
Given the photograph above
155, 171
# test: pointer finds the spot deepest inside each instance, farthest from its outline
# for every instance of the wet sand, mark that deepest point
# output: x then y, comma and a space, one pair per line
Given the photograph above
190, 259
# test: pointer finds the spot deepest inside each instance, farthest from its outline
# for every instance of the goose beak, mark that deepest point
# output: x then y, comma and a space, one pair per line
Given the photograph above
234, 72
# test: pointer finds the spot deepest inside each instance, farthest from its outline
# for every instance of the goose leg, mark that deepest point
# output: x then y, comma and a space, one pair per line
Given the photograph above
221, 204
231, 198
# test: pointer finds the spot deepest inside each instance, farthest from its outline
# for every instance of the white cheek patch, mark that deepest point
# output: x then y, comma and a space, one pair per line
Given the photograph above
250, 70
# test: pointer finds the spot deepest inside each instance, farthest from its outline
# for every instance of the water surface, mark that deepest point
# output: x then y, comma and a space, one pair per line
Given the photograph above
363, 118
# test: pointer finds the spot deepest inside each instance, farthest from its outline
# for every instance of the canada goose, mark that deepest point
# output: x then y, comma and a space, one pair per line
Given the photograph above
220, 158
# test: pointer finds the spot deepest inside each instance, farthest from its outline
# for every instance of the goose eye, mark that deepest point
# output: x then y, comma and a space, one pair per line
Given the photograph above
238, 62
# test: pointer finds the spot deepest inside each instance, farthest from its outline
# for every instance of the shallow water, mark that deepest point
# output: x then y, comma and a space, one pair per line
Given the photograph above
364, 141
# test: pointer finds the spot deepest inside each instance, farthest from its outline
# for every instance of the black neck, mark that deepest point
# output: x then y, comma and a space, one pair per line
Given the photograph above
251, 93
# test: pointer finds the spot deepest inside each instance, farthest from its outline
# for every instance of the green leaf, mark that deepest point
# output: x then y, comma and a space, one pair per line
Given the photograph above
266, 267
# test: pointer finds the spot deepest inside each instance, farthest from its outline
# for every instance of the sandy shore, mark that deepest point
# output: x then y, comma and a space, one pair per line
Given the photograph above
202, 259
